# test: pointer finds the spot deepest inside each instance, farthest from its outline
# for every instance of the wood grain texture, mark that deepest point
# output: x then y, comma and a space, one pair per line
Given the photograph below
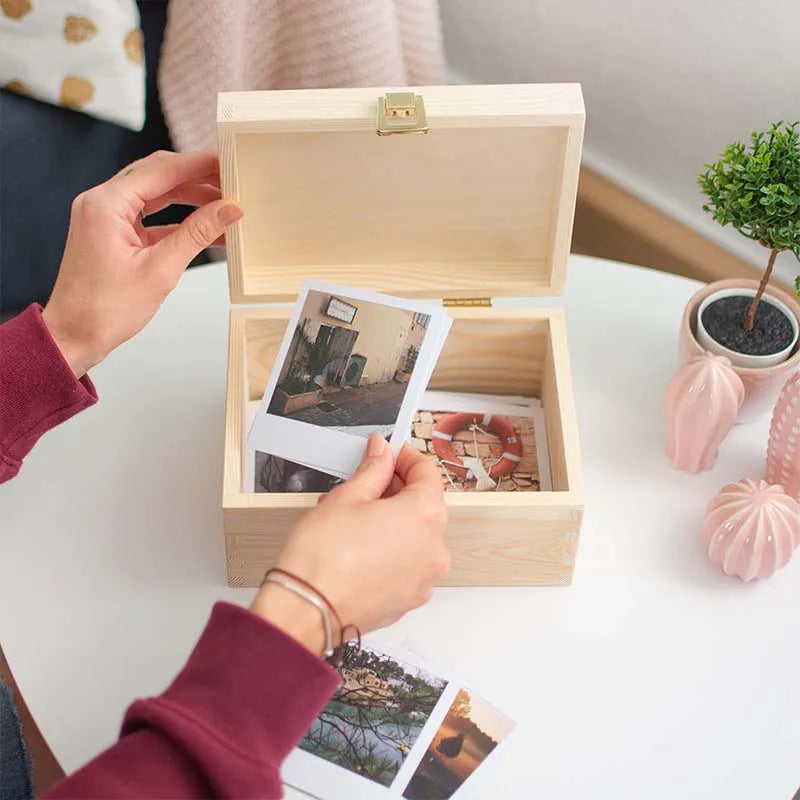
561, 417
489, 546
448, 106
229, 186
566, 193
481, 204
518, 538
235, 401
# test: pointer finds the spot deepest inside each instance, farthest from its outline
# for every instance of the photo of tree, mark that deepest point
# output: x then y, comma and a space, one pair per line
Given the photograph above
469, 732
376, 716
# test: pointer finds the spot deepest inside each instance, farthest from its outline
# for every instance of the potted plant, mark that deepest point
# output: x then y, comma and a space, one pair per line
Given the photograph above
296, 390
756, 189
403, 372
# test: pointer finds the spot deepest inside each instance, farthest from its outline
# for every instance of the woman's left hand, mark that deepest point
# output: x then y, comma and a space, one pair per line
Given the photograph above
115, 272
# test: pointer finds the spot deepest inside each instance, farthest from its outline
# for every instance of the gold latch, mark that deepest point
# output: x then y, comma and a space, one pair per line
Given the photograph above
467, 301
401, 112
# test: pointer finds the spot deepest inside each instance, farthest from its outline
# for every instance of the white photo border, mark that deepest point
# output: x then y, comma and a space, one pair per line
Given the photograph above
329, 450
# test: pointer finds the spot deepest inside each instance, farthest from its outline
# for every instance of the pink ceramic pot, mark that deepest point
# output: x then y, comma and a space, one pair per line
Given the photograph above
761, 386
703, 401
783, 452
751, 529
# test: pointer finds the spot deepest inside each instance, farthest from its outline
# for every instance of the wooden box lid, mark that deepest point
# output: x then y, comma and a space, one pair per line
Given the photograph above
479, 206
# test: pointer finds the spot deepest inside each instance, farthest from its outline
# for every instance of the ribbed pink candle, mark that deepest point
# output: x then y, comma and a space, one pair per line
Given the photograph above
703, 399
783, 451
751, 529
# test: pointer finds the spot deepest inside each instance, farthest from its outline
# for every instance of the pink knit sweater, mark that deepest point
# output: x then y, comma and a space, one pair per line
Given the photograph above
223, 45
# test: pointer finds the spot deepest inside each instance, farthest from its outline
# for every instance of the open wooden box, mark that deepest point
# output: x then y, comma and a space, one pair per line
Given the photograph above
478, 207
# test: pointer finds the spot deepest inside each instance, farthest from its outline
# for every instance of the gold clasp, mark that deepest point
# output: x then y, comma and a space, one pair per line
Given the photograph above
401, 112
450, 302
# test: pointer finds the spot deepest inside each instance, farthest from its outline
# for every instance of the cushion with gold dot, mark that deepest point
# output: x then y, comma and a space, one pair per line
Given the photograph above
87, 55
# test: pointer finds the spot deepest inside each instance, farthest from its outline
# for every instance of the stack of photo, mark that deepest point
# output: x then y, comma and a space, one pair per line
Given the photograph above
351, 363
398, 726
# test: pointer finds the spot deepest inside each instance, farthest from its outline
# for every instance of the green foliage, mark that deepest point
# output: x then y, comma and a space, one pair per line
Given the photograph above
293, 384
371, 734
309, 358
756, 189
411, 358
797, 285
462, 705
319, 355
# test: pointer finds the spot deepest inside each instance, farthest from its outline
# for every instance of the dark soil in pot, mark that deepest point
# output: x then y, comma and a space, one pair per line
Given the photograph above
724, 321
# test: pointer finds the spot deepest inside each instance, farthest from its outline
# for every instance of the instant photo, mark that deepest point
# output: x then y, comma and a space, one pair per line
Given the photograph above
471, 730
351, 362
484, 443
398, 726
360, 741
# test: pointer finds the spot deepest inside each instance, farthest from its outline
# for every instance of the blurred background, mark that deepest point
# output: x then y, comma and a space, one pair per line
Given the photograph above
666, 87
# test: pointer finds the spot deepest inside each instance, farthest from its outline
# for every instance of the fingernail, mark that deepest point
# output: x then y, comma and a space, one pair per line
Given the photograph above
228, 214
375, 445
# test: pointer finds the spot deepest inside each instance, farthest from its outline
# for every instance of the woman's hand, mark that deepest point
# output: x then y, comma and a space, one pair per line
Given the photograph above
375, 557
115, 272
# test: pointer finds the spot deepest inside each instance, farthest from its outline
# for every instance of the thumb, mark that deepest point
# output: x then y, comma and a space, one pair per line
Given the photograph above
199, 230
374, 475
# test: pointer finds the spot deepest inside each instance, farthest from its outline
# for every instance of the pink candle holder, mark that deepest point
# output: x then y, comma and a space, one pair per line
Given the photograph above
703, 400
751, 529
783, 451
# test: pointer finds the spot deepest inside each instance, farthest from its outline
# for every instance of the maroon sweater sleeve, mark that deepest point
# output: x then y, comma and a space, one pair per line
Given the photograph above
245, 698
37, 388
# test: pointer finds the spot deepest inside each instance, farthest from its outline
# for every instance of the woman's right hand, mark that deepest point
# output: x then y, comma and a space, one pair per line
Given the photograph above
374, 547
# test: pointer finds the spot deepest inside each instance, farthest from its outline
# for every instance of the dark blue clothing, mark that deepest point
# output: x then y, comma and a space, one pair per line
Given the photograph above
16, 782
48, 155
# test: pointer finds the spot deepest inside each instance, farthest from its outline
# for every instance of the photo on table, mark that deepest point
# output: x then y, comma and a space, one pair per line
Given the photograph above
351, 362
371, 724
470, 731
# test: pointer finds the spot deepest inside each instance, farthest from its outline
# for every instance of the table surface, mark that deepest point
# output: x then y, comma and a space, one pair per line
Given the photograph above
653, 675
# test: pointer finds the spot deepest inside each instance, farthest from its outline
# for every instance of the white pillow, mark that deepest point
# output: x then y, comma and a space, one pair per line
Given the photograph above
84, 54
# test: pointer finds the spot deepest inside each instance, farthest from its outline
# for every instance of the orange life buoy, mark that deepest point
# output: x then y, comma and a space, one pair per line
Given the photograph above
450, 424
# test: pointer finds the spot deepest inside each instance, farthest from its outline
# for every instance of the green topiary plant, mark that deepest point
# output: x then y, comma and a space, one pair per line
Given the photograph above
757, 190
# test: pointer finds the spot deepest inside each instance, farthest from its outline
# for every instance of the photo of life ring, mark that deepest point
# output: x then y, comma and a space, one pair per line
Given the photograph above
479, 452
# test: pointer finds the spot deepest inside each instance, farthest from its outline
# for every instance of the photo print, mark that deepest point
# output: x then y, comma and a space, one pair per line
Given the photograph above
351, 362
484, 443
398, 726
471, 730
359, 742
265, 473
274, 474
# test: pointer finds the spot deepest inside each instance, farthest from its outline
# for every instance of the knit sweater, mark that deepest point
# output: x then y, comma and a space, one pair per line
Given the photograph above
222, 45
248, 692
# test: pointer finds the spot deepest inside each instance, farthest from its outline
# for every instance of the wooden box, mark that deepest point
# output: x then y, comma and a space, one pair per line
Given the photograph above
478, 207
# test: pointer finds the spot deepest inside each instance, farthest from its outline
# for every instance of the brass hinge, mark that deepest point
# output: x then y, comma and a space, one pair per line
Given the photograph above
467, 301
401, 112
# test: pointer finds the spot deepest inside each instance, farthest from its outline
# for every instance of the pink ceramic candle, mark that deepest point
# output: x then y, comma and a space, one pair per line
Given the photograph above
783, 452
751, 529
703, 399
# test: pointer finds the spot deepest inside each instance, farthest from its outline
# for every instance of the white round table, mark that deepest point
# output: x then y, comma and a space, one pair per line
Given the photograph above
653, 675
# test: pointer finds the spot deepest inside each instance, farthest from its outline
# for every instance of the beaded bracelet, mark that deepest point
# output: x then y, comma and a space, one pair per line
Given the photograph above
311, 594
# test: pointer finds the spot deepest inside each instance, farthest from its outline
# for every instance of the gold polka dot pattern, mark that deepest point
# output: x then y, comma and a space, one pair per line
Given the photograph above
17, 86
16, 9
134, 46
76, 92
78, 29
